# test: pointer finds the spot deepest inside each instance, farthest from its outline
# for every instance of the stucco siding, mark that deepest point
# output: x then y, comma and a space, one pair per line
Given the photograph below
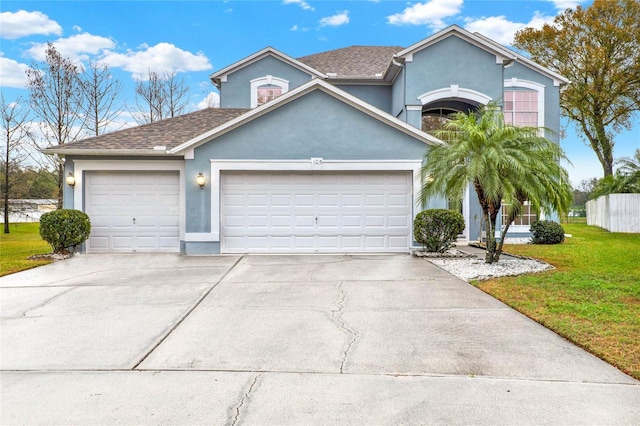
236, 91
397, 94
378, 96
453, 61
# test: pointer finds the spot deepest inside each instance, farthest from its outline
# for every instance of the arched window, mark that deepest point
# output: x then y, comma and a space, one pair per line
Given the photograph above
267, 88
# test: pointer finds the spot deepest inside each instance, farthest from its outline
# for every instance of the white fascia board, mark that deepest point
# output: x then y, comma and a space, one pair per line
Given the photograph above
558, 79
109, 152
295, 94
500, 52
259, 55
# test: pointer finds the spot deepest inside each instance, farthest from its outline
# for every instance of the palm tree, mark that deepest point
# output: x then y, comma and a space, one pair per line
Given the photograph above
502, 162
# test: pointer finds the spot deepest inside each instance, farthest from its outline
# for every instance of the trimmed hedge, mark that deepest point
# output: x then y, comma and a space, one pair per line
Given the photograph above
547, 232
64, 229
437, 229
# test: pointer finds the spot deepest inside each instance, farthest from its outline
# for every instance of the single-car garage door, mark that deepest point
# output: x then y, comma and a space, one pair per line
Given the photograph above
287, 212
133, 211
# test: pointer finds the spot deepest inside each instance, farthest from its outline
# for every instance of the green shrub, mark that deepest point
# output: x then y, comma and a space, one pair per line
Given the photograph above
64, 229
437, 229
547, 232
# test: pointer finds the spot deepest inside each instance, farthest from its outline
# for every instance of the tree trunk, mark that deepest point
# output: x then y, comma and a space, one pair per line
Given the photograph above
6, 193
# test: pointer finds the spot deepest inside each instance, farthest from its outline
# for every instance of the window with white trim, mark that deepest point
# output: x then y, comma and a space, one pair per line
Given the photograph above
526, 217
521, 107
267, 88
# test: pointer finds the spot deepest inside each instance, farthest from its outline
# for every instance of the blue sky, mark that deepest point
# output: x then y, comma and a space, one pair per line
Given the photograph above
195, 38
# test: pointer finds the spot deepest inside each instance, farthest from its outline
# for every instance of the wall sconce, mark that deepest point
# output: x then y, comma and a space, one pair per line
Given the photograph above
71, 180
200, 180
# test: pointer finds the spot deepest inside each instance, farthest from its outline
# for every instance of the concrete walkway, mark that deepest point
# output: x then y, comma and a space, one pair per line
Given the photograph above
156, 339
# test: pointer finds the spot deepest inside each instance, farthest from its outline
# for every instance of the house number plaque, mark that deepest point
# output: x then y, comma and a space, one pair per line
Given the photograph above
316, 163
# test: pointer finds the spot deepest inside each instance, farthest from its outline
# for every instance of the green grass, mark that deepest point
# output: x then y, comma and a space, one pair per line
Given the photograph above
22, 241
592, 298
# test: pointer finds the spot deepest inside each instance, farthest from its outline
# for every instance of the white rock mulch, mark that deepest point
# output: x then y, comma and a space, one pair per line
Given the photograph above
476, 269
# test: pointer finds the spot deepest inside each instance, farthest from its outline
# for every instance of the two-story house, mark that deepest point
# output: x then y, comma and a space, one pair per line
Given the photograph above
319, 154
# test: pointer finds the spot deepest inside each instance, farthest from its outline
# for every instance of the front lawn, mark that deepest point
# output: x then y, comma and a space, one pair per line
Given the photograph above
22, 241
592, 298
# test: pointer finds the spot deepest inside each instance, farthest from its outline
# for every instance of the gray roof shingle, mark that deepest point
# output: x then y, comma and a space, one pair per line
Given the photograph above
356, 62
169, 133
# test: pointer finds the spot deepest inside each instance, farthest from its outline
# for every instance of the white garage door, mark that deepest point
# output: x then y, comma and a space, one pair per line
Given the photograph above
270, 212
133, 211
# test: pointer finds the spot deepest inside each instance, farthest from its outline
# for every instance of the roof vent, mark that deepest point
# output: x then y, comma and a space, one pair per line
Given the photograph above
332, 74
160, 148
378, 74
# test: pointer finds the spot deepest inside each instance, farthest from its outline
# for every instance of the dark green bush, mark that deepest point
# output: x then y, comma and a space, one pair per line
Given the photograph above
547, 232
64, 229
437, 229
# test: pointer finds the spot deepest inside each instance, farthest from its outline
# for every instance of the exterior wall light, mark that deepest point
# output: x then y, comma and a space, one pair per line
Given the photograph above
71, 180
200, 180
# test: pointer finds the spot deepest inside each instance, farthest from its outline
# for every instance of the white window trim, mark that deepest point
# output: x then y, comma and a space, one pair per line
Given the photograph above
454, 92
531, 85
266, 80
310, 165
81, 166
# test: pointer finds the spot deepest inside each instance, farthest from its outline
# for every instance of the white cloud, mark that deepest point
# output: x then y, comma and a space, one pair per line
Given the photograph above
297, 28
340, 18
77, 47
212, 100
158, 58
561, 5
303, 4
77, 28
22, 23
431, 13
500, 29
12, 73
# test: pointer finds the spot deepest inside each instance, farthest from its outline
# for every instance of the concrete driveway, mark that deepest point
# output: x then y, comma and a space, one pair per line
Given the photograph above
151, 339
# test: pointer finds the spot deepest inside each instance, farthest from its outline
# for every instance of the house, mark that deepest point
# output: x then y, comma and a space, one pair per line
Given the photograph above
305, 155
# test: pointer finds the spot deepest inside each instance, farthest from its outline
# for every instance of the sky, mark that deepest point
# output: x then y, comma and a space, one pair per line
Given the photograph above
196, 38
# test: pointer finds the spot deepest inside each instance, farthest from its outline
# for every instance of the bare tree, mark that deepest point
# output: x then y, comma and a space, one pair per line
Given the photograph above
176, 92
55, 91
102, 98
160, 96
14, 119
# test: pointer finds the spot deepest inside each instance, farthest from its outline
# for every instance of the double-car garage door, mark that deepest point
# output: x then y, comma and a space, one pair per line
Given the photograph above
289, 212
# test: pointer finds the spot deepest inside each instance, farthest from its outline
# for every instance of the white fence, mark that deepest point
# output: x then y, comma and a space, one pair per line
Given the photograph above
27, 210
615, 212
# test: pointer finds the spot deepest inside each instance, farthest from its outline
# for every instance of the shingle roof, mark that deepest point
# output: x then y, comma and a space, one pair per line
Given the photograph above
354, 61
169, 133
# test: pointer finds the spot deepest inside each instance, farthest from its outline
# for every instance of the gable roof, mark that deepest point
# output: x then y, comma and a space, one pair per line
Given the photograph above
503, 55
315, 84
354, 62
153, 138
220, 76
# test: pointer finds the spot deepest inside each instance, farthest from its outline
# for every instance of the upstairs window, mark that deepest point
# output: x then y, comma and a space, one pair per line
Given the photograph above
268, 93
521, 107
267, 88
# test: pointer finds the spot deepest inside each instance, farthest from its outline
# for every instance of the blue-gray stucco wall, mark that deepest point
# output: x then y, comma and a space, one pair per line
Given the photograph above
236, 91
453, 61
315, 125
376, 95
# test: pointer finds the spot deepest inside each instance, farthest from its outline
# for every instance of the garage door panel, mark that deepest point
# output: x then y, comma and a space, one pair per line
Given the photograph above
133, 211
315, 212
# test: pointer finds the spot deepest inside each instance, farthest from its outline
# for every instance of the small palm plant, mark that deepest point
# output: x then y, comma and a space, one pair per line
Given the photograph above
502, 162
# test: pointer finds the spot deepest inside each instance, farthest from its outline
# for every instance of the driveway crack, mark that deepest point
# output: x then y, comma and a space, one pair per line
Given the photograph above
46, 302
337, 316
244, 398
